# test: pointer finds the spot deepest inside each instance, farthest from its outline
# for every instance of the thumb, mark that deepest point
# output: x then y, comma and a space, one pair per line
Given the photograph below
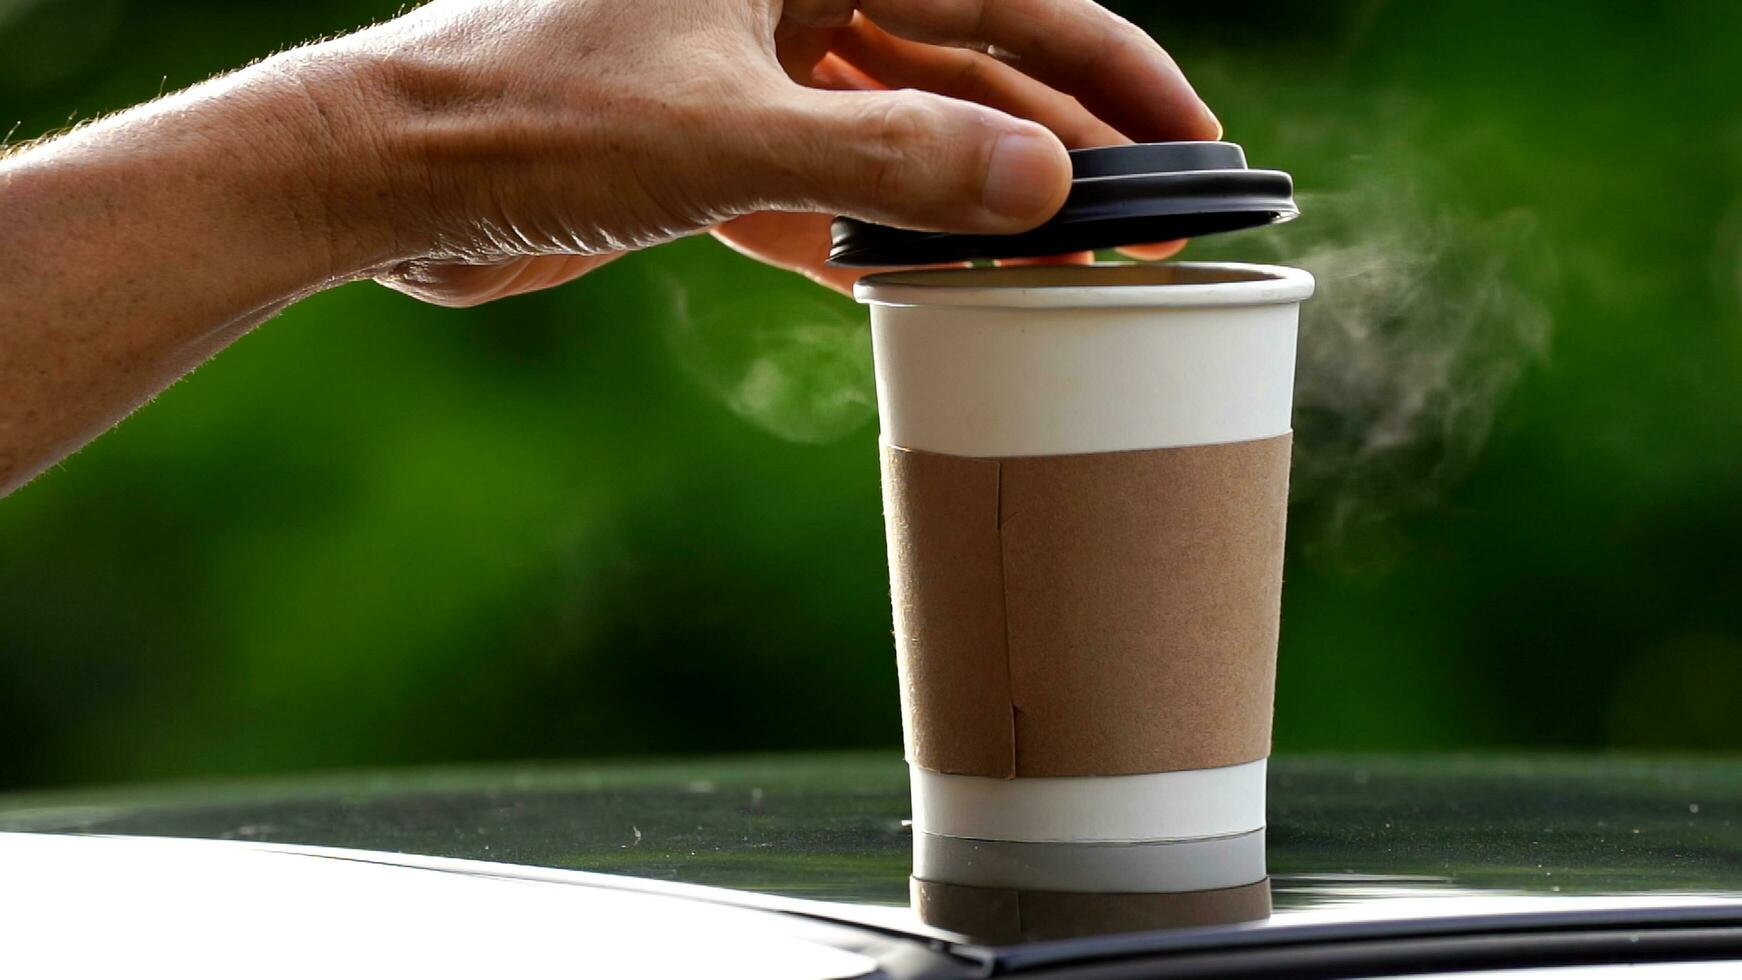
917, 160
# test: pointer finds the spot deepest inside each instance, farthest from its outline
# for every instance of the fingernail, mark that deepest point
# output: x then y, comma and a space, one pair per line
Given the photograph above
1022, 179
1215, 124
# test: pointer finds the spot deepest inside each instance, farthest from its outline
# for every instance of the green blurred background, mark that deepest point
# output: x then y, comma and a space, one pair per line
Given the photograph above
639, 514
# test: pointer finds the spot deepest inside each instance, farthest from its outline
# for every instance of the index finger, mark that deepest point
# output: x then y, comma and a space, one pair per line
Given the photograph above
1112, 67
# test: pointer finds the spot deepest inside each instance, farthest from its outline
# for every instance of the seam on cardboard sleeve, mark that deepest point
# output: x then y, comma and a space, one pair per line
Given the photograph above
1004, 594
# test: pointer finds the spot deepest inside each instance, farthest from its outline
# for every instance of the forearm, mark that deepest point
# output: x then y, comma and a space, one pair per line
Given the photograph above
133, 249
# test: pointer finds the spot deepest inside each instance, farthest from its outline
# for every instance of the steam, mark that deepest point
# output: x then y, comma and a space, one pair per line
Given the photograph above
1727, 257
1425, 318
794, 363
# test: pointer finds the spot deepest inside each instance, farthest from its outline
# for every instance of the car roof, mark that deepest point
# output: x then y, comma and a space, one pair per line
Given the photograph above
1358, 846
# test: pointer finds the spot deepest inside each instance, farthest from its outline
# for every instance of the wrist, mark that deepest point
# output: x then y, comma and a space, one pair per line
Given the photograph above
351, 185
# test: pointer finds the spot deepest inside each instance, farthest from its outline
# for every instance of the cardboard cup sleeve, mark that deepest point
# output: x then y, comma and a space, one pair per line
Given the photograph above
1094, 614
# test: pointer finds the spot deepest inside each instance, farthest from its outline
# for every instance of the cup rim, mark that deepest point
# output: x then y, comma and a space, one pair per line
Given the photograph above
1101, 284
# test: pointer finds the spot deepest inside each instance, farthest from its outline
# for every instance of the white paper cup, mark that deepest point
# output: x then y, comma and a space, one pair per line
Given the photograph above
1011, 364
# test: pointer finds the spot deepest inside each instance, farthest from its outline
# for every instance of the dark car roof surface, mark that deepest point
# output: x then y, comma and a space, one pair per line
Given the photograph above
1411, 848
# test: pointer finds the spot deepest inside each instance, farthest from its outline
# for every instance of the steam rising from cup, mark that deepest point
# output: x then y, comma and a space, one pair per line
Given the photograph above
795, 366
1427, 316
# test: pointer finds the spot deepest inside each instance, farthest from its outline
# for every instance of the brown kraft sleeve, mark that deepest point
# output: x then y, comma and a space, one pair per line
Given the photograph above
1095, 614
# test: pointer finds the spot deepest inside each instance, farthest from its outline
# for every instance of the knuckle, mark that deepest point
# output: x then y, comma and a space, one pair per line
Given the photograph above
984, 17
903, 123
1123, 38
819, 13
903, 134
973, 78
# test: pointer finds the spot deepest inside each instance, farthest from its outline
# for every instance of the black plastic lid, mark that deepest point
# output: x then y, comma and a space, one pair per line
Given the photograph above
1120, 195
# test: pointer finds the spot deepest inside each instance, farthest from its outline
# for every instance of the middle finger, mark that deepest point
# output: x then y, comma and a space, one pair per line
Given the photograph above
1077, 46
971, 76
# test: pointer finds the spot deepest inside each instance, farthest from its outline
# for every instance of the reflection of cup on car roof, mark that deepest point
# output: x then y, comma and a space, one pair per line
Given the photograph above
1001, 892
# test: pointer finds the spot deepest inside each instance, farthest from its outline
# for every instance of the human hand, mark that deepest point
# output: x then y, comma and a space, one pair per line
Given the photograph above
474, 149
523, 144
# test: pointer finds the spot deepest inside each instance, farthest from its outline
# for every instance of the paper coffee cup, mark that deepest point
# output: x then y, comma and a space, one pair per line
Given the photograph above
1085, 476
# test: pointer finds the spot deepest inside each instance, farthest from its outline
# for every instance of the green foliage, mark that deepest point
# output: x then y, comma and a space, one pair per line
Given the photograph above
640, 513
